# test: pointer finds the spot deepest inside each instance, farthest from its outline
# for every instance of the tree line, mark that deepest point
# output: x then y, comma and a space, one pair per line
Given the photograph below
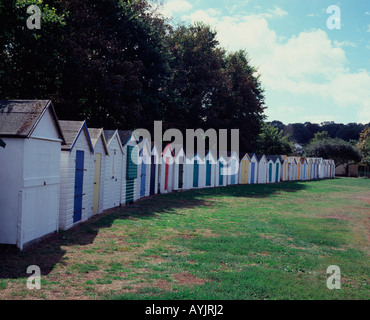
120, 64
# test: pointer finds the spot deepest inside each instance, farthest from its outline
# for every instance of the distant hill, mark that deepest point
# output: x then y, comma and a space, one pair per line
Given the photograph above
302, 133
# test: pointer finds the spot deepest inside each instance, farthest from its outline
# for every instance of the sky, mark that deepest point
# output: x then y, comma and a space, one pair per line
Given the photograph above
309, 71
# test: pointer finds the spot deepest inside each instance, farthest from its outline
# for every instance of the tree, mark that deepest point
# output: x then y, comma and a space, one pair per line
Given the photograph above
272, 141
340, 151
364, 146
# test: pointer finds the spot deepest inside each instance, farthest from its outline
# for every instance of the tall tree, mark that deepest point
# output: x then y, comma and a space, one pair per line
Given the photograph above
364, 146
272, 141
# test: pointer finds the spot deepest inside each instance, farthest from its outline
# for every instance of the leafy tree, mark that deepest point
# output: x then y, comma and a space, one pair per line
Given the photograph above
340, 151
364, 145
272, 141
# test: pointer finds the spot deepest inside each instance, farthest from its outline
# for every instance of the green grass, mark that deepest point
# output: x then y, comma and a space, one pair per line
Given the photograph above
241, 242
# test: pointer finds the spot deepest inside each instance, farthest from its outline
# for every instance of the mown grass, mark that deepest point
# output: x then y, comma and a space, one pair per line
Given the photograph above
241, 242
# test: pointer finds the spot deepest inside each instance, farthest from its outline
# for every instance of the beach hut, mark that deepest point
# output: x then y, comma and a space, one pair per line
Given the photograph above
254, 168
245, 168
321, 168
77, 174
113, 170
197, 172
166, 170
309, 165
332, 168
29, 171
144, 168
210, 169
284, 171
154, 169
262, 168
233, 167
293, 168
304, 168
130, 187
270, 178
221, 172
179, 174
100, 154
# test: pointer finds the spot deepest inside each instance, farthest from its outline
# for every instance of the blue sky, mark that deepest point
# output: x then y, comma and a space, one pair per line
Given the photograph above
309, 72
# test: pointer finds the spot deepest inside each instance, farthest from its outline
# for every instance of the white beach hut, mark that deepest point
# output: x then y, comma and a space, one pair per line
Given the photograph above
253, 177
113, 170
100, 154
262, 168
29, 171
77, 174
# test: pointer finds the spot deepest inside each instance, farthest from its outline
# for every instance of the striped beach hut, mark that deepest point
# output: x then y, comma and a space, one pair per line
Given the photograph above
130, 189
262, 168
100, 153
253, 177
77, 174
113, 170
29, 171
245, 168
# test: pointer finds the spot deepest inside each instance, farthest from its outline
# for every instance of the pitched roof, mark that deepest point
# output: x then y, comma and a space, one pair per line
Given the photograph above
260, 156
96, 134
71, 131
125, 135
19, 118
109, 135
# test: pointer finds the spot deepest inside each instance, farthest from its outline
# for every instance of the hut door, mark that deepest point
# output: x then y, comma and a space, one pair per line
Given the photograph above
196, 174
131, 173
79, 177
181, 173
221, 177
253, 168
270, 172
208, 173
285, 168
245, 164
166, 175
152, 176
143, 177
277, 173
97, 182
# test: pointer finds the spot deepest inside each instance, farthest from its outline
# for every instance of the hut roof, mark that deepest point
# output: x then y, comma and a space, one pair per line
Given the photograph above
19, 118
71, 131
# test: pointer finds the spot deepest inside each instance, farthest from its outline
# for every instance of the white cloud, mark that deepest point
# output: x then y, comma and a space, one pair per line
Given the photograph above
306, 65
175, 6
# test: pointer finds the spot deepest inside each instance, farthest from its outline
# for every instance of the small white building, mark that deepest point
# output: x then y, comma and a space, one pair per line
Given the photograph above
262, 168
29, 171
101, 153
130, 190
77, 174
293, 170
233, 166
166, 170
113, 170
196, 172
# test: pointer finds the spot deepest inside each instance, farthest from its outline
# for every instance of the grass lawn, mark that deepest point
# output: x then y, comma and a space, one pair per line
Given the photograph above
241, 242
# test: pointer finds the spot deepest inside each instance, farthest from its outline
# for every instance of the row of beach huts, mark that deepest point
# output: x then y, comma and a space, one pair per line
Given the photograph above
55, 174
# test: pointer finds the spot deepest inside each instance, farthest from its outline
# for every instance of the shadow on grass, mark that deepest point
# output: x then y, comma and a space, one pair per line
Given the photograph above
50, 251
